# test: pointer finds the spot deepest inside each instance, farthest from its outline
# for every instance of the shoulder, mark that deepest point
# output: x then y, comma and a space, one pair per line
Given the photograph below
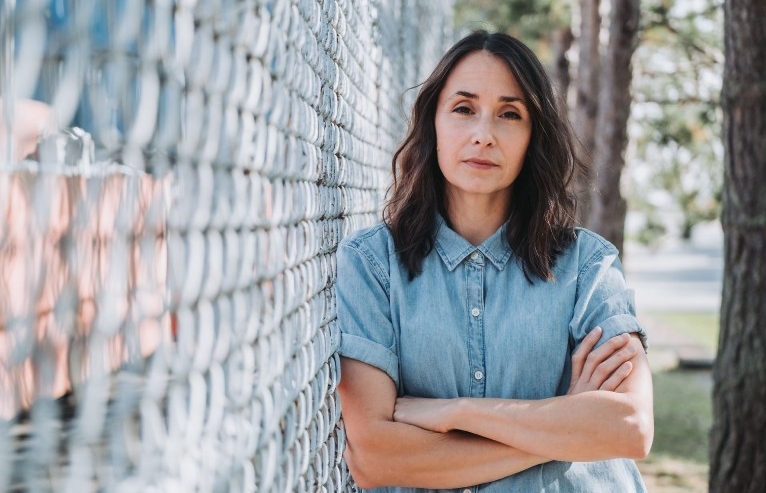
595, 255
586, 249
373, 245
586, 241
375, 238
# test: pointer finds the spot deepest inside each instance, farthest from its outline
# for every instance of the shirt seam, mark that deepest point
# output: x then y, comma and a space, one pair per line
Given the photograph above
377, 270
595, 257
357, 246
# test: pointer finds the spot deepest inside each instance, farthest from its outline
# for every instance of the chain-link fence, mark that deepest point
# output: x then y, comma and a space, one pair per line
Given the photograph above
167, 315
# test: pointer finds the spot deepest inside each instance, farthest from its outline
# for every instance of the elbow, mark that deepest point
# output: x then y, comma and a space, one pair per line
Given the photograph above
639, 436
362, 479
369, 452
363, 467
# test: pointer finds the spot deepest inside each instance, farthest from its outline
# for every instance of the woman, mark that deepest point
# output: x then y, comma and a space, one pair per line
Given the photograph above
460, 314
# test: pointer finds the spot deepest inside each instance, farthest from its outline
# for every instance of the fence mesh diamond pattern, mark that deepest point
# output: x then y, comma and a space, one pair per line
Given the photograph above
167, 313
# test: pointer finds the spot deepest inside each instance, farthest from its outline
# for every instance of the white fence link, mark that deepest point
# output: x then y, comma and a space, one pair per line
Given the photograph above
167, 313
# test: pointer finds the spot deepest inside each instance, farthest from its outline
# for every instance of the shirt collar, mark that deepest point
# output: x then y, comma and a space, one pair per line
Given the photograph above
453, 248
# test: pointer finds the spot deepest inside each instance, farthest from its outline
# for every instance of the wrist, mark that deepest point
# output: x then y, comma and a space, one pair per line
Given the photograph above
459, 412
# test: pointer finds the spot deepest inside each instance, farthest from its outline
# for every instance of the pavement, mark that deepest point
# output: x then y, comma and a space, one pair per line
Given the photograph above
677, 276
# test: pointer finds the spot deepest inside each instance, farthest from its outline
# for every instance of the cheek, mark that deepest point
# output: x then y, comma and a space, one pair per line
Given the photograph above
517, 143
448, 144
440, 134
446, 133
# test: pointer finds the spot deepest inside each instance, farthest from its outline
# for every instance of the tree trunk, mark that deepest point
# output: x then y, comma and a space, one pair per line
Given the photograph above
738, 438
608, 207
562, 41
586, 105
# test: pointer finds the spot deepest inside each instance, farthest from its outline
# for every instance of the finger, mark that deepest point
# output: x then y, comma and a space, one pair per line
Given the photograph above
618, 376
611, 346
585, 347
607, 368
598, 356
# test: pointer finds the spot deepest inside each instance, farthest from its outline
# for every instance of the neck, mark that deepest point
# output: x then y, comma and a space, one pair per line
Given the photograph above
477, 219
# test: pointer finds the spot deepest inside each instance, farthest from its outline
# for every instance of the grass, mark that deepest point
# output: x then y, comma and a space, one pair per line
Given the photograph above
699, 327
683, 413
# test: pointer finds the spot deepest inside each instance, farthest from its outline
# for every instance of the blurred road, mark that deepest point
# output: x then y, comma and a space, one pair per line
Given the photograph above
678, 275
681, 276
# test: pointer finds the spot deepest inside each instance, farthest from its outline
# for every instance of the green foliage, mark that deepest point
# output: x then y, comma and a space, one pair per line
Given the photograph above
676, 115
532, 21
652, 231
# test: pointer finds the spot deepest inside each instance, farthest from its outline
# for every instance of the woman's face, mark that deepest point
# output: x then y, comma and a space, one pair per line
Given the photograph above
483, 129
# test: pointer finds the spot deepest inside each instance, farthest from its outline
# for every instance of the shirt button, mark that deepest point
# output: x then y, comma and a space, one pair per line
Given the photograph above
475, 312
475, 255
466, 490
478, 375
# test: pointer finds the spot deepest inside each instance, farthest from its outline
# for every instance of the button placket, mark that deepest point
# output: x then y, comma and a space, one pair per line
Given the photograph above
475, 292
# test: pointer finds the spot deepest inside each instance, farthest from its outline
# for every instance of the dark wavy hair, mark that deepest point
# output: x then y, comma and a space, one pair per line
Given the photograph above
542, 214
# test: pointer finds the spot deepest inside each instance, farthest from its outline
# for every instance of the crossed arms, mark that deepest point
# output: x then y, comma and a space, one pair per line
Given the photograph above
450, 443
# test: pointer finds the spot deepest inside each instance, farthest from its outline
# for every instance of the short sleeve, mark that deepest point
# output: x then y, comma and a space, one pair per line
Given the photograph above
364, 314
603, 299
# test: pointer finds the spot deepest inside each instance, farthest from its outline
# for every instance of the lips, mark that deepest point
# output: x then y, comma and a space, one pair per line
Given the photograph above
479, 163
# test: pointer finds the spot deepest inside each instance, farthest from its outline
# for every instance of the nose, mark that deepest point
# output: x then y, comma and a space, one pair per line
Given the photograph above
483, 134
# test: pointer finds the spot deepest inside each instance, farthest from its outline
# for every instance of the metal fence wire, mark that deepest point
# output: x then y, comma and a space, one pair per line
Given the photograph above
167, 313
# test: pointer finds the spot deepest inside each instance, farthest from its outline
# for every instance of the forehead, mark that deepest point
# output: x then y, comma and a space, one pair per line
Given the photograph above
482, 72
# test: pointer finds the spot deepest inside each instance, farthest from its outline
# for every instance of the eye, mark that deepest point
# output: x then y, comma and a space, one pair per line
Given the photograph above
462, 109
511, 115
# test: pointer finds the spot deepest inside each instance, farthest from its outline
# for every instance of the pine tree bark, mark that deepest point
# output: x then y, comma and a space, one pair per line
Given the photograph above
608, 207
586, 103
562, 42
738, 438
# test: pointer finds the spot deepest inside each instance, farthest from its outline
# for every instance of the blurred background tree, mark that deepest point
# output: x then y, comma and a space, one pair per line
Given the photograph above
677, 118
738, 438
533, 21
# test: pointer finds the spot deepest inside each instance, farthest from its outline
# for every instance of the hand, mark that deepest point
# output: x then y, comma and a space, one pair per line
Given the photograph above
604, 368
31, 120
429, 414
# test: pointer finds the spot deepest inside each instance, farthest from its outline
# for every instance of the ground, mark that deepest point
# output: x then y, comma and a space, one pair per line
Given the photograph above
678, 288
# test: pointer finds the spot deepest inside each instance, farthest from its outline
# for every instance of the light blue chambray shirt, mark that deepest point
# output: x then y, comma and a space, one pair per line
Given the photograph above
471, 325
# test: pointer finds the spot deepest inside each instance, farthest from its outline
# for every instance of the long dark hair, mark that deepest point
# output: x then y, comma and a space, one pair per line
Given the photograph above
541, 219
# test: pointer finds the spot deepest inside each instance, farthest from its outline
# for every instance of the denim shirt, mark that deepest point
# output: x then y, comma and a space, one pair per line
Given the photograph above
471, 325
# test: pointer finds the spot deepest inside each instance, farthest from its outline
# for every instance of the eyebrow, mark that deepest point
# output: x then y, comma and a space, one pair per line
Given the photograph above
502, 99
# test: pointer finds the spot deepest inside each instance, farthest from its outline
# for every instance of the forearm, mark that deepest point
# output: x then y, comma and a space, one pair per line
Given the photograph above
585, 426
588, 426
397, 454
615, 421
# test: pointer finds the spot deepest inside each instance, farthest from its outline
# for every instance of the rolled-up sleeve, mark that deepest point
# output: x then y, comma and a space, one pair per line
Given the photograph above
364, 315
604, 300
